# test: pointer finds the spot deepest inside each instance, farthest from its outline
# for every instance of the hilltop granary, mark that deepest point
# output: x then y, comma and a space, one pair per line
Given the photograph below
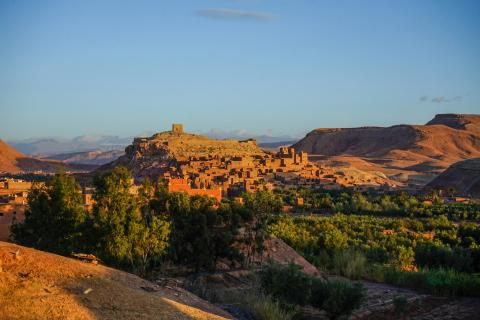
177, 128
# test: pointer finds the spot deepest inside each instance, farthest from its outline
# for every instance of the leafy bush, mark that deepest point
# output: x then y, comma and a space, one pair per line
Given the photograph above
349, 263
437, 281
434, 256
292, 286
337, 297
286, 283
264, 307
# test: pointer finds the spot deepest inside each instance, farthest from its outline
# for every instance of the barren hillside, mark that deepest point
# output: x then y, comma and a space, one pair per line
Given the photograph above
40, 285
401, 149
463, 176
13, 161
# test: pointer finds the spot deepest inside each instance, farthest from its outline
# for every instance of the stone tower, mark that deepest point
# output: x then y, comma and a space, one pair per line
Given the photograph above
177, 128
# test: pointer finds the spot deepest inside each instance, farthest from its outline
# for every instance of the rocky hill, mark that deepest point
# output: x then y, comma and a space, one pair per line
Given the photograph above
151, 156
13, 161
40, 285
463, 176
399, 149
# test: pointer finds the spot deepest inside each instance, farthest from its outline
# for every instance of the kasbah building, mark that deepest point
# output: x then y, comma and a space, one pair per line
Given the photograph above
223, 176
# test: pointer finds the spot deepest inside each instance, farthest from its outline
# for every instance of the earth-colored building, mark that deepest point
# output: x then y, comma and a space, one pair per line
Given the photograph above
13, 202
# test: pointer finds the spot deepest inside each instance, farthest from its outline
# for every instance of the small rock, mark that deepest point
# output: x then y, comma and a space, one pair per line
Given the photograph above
17, 254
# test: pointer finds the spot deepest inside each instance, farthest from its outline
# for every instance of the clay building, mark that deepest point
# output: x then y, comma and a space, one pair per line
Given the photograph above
182, 185
13, 203
9, 213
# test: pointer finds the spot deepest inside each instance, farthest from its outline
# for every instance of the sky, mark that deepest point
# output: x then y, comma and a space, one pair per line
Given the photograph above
276, 67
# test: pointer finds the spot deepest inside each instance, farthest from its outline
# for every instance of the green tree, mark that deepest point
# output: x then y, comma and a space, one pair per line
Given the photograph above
126, 232
201, 235
116, 216
55, 219
151, 243
262, 204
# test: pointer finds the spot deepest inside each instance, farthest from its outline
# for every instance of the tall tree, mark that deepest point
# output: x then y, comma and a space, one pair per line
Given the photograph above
262, 204
55, 217
127, 234
115, 216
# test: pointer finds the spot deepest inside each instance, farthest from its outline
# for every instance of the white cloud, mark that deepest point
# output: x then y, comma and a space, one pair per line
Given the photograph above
235, 15
440, 99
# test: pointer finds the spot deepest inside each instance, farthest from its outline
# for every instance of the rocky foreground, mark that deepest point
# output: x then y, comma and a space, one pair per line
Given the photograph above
40, 285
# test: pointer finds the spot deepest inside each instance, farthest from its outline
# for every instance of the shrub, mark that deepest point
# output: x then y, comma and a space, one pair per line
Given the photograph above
264, 307
433, 256
337, 297
292, 286
450, 282
322, 260
286, 283
349, 263
437, 281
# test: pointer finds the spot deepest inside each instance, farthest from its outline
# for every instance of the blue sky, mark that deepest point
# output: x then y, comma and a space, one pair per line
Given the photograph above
276, 67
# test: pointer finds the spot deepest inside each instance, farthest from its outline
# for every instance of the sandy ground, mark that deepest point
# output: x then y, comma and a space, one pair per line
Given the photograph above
39, 285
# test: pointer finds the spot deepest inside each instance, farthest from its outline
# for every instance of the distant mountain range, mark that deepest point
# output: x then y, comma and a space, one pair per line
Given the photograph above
53, 146
96, 157
243, 134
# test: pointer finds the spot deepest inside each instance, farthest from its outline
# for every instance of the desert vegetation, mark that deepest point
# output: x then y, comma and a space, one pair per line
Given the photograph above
434, 254
387, 204
292, 287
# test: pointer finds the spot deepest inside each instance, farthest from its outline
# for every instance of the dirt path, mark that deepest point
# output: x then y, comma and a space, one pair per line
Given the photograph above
379, 305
